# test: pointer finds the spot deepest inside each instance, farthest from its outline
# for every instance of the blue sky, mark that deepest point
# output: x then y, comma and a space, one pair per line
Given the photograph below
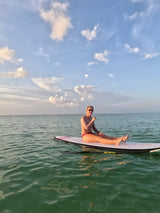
59, 56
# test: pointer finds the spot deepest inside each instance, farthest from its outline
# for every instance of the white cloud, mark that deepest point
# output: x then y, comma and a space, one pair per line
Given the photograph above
63, 101
153, 55
85, 91
87, 96
137, 0
20, 94
86, 75
43, 53
88, 34
111, 75
18, 73
50, 84
46, 55
72, 97
59, 21
105, 35
8, 55
19, 100
19, 60
146, 19
131, 50
102, 57
131, 17
91, 63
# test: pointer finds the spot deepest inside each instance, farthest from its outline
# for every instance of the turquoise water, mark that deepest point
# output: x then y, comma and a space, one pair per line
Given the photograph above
36, 176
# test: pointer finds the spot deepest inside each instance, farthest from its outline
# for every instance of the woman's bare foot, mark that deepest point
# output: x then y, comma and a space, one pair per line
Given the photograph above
124, 139
117, 142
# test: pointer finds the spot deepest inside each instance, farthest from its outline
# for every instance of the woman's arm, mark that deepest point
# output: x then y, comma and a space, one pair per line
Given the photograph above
95, 129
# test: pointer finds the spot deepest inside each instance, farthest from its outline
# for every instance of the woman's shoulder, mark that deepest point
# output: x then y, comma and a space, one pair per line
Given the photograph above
86, 118
83, 117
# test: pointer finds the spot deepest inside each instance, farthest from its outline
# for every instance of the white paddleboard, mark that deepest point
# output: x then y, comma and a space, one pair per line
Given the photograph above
128, 147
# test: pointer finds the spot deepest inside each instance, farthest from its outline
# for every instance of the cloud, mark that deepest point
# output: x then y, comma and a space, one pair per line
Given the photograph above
137, 0
20, 100
105, 35
72, 97
18, 73
90, 97
88, 34
131, 50
50, 84
19, 60
85, 91
146, 18
46, 56
63, 101
148, 55
59, 21
131, 17
143, 29
64, 97
102, 57
8, 55
43, 53
111, 75
108, 99
20, 94
91, 63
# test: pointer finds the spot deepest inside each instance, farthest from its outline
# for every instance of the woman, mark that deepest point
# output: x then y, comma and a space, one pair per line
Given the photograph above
87, 125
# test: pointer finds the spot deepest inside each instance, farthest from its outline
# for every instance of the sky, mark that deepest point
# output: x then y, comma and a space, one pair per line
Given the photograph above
59, 56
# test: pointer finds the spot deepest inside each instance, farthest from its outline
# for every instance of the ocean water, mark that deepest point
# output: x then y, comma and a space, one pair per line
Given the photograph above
36, 176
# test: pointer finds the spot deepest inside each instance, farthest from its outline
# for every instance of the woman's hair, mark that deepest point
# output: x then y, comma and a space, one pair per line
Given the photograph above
89, 107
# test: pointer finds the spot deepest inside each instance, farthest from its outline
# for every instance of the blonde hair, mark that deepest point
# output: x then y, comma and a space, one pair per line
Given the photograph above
89, 107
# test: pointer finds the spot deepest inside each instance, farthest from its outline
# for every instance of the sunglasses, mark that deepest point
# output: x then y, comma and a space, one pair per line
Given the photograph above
90, 110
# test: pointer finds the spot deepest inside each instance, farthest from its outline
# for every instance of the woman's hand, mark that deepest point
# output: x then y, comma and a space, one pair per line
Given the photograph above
94, 118
100, 133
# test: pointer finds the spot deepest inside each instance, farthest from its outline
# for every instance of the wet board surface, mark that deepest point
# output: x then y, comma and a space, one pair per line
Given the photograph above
128, 147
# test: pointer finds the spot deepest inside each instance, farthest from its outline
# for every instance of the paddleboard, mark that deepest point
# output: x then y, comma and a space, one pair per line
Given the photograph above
128, 147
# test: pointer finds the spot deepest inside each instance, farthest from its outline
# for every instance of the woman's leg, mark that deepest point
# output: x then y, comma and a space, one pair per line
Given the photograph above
100, 139
109, 137
114, 138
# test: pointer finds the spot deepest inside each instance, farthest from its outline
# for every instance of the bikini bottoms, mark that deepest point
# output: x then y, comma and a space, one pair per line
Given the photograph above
87, 133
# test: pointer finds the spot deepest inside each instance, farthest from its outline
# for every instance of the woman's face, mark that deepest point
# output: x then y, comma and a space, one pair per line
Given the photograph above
89, 111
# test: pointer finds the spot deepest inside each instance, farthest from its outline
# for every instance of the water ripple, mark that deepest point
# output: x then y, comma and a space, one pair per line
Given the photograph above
36, 175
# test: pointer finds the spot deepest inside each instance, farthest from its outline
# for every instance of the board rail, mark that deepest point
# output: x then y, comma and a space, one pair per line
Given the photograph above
128, 147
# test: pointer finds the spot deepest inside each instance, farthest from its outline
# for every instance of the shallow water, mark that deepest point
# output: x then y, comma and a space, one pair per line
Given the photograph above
36, 175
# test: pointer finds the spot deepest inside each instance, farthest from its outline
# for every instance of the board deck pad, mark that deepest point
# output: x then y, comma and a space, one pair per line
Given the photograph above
128, 147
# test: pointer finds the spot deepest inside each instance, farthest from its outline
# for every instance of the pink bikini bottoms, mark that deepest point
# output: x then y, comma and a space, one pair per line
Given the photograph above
86, 133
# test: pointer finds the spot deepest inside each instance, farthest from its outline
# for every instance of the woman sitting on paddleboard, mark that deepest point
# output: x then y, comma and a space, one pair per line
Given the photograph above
87, 125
